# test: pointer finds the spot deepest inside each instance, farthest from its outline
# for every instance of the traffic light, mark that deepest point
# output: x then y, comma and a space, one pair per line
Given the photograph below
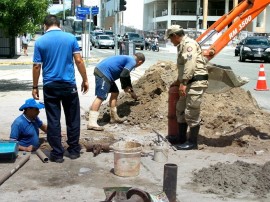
122, 6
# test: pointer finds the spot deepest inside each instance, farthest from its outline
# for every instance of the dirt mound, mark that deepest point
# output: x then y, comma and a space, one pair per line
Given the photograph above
232, 179
152, 108
232, 122
228, 119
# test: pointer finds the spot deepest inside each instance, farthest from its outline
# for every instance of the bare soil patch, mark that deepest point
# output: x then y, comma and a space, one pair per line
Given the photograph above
232, 122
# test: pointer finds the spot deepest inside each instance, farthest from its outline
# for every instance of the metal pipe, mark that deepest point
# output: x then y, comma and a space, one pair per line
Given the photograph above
14, 168
42, 156
170, 181
165, 140
208, 37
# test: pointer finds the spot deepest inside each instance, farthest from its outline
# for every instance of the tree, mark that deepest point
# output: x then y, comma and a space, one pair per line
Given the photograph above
60, 13
20, 16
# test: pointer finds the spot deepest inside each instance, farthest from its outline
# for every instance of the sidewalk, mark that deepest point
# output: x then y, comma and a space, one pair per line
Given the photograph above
83, 179
21, 59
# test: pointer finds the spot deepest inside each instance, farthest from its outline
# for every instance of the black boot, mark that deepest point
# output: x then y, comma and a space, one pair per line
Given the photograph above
182, 133
181, 137
192, 140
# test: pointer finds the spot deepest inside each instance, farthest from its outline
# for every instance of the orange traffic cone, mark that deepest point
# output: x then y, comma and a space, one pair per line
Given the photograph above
261, 83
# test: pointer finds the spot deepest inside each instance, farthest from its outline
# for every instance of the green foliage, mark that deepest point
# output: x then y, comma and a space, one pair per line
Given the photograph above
60, 14
20, 16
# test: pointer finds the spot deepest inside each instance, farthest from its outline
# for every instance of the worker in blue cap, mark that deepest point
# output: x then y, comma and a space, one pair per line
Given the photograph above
25, 128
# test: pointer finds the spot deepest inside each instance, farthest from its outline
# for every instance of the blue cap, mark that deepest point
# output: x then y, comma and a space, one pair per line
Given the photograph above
31, 102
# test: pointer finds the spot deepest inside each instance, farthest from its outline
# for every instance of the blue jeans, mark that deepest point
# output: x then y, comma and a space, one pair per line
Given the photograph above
103, 87
56, 93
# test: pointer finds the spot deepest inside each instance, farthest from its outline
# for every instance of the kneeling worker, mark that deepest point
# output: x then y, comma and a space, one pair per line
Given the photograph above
25, 128
106, 72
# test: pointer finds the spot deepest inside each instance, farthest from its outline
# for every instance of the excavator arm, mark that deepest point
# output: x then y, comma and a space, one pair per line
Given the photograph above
239, 18
221, 78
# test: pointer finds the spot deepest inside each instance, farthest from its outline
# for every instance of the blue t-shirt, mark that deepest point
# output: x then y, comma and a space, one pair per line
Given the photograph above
112, 66
26, 132
54, 50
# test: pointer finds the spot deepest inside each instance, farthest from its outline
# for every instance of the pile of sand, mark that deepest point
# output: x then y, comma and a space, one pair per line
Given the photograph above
232, 122
234, 113
232, 179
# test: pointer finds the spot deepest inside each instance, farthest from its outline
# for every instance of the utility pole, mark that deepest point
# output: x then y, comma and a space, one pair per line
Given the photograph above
198, 11
64, 12
116, 10
83, 21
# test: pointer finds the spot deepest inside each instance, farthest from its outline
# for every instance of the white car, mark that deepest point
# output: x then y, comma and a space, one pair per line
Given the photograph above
79, 39
104, 41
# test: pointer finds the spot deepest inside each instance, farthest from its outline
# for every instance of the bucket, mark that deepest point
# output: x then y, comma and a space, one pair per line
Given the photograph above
127, 158
161, 154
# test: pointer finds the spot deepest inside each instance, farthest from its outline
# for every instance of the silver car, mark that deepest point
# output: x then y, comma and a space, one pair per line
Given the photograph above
104, 41
79, 39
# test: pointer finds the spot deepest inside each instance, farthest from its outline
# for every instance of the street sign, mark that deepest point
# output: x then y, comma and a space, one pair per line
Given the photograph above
95, 10
83, 10
80, 16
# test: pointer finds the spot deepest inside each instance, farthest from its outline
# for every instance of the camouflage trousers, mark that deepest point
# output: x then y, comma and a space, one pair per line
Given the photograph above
188, 108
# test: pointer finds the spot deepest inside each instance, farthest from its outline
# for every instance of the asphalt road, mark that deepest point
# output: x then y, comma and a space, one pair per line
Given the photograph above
249, 69
226, 57
52, 182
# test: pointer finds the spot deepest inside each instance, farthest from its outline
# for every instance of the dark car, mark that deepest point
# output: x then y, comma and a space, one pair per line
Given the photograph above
136, 38
255, 48
110, 33
237, 48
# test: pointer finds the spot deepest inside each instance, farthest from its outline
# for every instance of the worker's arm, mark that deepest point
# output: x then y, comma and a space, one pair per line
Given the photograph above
43, 127
190, 54
36, 74
28, 149
82, 70
125, 79
126, 83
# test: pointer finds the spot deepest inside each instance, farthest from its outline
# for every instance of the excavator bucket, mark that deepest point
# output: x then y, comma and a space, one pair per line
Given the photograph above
222, 79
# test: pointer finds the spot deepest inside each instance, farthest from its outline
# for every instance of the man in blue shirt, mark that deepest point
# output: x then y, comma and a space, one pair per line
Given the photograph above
106, 72
54, 52
25, 128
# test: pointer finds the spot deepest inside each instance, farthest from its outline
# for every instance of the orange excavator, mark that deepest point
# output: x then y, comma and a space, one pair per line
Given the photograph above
221, 78
239, 18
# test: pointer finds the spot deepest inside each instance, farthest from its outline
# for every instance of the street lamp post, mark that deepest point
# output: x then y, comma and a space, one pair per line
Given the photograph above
198, 16
64, 12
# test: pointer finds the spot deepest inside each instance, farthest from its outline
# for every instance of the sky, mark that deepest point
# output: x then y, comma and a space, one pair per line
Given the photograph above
55, 8
133, 16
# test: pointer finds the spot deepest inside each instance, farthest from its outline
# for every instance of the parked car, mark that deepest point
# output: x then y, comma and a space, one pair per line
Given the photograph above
93, 36
104, 41
136, 38
110, 33
255, 48
237, 48
79, 39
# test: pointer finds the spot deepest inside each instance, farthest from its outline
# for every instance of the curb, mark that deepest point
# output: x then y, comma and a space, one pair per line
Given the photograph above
30, 63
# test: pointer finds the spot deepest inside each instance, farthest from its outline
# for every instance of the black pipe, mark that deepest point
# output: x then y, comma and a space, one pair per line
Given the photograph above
170, 181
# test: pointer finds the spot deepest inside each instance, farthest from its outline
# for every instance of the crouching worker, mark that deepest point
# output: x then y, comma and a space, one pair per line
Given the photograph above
106, 72
25, 128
